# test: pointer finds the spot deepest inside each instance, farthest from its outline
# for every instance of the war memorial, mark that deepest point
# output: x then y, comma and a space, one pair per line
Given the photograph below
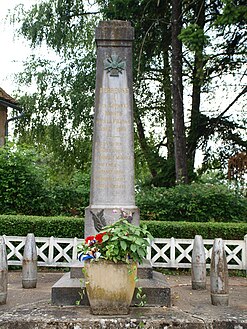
170, 302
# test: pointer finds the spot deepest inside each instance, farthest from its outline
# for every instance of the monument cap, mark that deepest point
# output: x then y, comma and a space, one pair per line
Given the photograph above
114, 30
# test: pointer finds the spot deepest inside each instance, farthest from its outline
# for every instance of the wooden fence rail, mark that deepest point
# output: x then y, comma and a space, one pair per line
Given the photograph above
167, 253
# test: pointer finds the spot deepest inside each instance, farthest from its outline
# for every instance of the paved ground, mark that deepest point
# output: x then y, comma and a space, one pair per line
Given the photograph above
31, 308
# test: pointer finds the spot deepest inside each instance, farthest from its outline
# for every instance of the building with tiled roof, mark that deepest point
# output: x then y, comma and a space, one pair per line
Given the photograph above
4, 97
5, 101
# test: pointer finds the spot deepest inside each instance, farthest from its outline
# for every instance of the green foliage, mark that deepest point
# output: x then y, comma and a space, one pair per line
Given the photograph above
124, 240
118, 242
194, 37
195, 202
22, 188
58, 113
60, 24
28, 186
234, 12
188, 230
60, 227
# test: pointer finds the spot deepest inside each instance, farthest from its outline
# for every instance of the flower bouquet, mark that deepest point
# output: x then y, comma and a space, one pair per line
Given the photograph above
118, 242
110, 267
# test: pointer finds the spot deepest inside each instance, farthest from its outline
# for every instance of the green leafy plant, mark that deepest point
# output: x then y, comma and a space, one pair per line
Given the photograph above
141, 297
196, 202
22, 184
193, 37
28, 186
71, 227
119, 242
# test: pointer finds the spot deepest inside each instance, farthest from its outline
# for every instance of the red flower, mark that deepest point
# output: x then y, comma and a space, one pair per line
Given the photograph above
99, 237
89, 239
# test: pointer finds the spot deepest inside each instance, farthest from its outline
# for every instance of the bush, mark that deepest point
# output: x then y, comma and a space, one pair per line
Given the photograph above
68, 201
195, 203
185, 230
69, 227
22, 188
27, 188
59, 227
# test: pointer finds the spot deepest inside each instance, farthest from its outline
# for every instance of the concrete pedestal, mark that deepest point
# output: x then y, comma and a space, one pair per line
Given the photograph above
71, 287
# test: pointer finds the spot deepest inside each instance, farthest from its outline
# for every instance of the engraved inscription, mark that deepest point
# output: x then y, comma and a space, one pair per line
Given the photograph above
111, 121
115, 105
114, 90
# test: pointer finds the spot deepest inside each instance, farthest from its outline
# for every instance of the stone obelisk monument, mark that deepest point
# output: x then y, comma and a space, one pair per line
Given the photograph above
112, 177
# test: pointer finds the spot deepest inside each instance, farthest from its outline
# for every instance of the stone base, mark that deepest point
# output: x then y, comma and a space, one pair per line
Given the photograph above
220, 299
96, 217
70, 289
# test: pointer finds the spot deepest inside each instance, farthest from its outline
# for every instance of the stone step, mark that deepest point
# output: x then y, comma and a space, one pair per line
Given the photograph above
144, 271
67, 291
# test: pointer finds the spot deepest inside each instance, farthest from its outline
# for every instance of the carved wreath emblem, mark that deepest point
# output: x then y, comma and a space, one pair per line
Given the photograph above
114, 65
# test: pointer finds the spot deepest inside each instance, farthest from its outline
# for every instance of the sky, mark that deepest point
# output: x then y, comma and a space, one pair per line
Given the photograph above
13, 48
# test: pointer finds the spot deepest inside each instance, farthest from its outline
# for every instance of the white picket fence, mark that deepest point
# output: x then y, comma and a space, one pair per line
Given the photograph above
167, 253
177, 253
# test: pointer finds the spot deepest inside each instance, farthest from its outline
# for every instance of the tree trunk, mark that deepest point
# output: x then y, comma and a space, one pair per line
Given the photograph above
177, 93
197, 81
168, 105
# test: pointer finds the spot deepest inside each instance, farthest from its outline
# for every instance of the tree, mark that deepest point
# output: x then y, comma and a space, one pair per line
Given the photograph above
59, 113
177, 93
217, 54
198, 9
202, 63
68, 29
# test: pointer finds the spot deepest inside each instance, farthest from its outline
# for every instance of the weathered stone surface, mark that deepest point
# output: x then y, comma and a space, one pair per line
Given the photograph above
29, 263
76, 270
3, 273
80, 318
219, 274
144, 271
112, 179
190, 309
110, 286
198, 264
67, 291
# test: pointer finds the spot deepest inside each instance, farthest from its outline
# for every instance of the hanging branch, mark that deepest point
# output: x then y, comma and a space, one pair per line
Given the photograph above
232, 103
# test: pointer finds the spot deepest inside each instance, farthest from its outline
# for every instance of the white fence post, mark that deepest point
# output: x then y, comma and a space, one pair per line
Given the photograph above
149, 248
245, 253
51, 250
74, 254
172, 252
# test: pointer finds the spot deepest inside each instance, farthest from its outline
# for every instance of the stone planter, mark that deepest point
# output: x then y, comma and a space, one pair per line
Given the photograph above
110, 286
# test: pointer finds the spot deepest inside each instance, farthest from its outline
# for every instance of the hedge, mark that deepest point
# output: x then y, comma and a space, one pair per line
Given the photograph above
74, 227
194, 203
59, 227
186, 230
